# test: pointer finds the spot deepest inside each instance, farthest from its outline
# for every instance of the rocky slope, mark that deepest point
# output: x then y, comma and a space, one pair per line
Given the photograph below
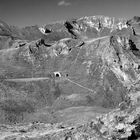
70, 80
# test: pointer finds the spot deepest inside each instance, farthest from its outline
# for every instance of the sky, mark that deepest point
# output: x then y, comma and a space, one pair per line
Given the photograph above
40, 12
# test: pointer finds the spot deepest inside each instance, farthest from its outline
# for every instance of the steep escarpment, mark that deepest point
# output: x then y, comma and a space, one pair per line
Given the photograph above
70, 72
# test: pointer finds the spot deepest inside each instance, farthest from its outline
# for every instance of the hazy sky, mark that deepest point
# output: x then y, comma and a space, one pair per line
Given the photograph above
32, 12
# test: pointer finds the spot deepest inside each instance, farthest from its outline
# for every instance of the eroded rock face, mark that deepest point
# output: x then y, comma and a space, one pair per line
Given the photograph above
48, 71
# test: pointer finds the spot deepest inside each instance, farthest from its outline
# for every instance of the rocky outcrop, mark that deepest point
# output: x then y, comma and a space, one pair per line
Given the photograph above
72, 72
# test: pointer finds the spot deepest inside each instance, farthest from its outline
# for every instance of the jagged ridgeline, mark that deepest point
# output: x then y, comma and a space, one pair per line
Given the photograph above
70, 71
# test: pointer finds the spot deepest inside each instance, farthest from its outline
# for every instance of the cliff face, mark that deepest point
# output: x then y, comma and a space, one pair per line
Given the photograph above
89, 65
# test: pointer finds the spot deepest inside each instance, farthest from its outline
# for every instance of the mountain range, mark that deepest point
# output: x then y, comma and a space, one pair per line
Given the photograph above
71, 80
